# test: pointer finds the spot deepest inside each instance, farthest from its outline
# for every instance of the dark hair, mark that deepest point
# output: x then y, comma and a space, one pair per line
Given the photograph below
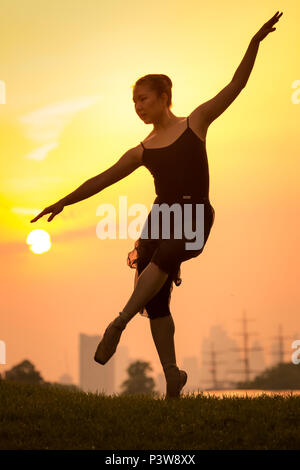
159, 83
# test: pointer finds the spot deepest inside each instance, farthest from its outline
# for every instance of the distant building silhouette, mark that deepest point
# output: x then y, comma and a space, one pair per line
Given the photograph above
226, 358
214, 355
257, 358
94, 377
245, 349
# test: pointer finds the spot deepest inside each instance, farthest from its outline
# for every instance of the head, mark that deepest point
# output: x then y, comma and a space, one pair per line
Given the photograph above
152, 97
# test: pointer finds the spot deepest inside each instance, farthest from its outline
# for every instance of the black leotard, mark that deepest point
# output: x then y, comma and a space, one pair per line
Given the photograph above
181, 174
180, 168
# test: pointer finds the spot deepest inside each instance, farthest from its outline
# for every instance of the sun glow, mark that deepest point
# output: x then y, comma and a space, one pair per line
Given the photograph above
39, 241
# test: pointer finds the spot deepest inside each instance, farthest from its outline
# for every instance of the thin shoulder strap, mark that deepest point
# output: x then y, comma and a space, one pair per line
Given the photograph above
142, 145
187, 121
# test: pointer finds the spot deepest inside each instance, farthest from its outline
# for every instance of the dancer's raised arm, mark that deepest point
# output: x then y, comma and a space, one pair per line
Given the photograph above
207, 112
122, 168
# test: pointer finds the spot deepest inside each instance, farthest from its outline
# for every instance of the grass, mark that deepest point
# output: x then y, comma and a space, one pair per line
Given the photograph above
49, 417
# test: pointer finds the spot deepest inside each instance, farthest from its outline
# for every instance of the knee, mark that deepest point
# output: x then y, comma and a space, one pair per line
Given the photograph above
155, 265
166, 263
154, 316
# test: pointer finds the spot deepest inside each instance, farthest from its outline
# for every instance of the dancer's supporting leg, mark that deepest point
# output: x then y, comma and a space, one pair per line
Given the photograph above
163, 329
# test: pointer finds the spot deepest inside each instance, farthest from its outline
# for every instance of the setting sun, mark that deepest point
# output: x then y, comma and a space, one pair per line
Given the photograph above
39, 241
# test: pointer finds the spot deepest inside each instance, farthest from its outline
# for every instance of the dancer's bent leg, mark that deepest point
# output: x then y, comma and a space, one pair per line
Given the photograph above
148, 284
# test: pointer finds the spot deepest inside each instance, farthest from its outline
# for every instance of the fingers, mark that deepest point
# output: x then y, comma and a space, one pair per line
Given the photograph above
38, 217
54, 209
45, 211
275, 18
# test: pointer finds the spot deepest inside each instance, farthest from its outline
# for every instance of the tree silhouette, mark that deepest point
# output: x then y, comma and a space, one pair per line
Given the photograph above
138, 382
280, 377
24, 372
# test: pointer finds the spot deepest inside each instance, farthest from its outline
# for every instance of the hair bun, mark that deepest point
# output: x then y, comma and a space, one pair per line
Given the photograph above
165, 77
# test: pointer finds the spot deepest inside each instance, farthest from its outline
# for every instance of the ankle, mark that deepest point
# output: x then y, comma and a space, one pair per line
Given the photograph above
170, 368
121, 320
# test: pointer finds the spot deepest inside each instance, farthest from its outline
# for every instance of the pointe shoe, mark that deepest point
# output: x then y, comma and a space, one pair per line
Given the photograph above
110, 341
176, 380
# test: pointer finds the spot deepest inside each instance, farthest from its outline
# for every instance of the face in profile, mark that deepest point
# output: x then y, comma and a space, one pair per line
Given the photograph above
147, 104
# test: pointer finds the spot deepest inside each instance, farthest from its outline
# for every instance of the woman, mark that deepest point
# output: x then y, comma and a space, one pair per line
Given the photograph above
175, 154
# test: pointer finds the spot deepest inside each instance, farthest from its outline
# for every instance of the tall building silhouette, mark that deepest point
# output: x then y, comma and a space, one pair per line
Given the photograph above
214, 363
94, 377
226, 358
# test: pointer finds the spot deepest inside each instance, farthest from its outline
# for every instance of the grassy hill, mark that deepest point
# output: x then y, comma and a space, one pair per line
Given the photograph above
50, 417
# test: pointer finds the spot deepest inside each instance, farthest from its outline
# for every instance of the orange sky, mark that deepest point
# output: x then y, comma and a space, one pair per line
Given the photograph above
68, 69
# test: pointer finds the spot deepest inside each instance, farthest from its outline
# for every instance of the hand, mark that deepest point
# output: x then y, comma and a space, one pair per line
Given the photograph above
267, 28
55, 209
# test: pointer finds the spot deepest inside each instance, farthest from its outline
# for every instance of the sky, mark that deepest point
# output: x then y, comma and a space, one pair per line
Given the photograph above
67, 71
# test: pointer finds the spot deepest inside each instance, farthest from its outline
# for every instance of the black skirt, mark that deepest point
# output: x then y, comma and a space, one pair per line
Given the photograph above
168, 242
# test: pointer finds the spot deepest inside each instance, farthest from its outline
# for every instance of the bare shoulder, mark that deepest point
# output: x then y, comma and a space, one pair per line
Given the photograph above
152, 133
211, 109
198, 123
135, 154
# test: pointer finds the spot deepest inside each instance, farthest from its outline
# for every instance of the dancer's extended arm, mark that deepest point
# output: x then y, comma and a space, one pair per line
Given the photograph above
122, 168
207, 112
